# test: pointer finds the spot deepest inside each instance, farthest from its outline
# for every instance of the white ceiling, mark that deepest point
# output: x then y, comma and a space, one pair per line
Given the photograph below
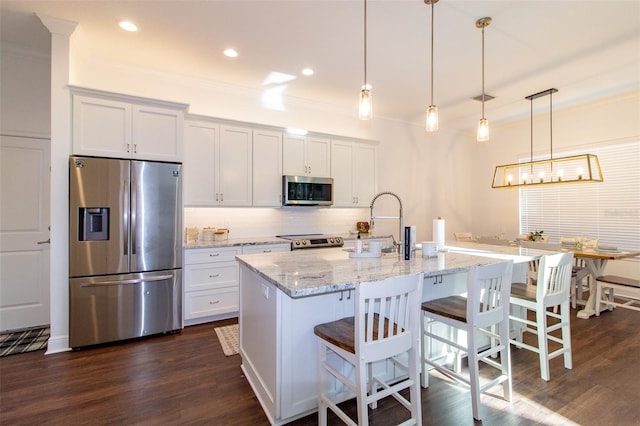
585, 49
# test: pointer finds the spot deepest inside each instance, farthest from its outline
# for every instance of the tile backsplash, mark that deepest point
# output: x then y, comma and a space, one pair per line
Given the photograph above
268, 222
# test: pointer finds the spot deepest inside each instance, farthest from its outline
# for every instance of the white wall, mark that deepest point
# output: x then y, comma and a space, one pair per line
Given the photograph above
25, 101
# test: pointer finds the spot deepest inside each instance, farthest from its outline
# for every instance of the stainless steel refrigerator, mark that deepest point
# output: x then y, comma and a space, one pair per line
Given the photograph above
125, 249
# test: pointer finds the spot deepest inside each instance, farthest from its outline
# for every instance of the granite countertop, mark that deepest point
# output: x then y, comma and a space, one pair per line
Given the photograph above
516, 253
236, 242
310, 272
269, 240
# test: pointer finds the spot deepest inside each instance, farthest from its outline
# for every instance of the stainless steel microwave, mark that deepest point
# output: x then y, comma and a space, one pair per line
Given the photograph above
307, 191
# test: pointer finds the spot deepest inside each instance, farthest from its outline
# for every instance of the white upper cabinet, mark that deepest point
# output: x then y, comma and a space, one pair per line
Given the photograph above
306, 156
199, 184
217, 164
235, 169
116, 127
353, 169
267, 168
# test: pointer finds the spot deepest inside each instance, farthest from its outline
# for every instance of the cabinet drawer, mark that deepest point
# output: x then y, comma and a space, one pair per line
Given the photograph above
266, 248
206, 303
222, 254
208, 276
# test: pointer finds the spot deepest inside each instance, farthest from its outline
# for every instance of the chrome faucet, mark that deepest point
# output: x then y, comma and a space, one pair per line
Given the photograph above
397, 243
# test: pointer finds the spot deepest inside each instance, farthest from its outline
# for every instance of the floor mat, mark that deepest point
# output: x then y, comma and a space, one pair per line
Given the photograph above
18, 342
229, 339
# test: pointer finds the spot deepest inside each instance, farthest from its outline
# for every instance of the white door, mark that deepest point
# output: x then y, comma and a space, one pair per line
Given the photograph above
24, 232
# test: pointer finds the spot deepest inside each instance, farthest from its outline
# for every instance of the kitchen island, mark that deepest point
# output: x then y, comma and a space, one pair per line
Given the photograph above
284, 295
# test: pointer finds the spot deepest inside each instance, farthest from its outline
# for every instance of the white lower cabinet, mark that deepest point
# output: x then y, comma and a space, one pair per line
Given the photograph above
211, 280
210, 284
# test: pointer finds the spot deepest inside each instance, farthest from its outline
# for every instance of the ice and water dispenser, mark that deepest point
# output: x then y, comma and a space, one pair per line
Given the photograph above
94, 224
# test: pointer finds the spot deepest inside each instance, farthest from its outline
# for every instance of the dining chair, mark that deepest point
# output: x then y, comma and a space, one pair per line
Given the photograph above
483, 312
580, 275
386, 325
551, 290
463, 236
532, 265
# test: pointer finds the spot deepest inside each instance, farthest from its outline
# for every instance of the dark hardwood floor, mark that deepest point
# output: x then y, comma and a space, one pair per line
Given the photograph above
186, 379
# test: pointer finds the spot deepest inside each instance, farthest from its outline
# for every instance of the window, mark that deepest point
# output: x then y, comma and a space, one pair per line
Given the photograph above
608, 211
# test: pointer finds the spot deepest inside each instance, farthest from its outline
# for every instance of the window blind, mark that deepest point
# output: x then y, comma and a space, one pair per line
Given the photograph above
607, 211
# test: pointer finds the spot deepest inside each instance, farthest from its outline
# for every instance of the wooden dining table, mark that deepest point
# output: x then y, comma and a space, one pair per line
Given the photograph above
596, 262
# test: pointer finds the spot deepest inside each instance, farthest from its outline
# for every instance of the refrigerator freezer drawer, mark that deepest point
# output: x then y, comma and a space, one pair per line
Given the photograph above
118, 307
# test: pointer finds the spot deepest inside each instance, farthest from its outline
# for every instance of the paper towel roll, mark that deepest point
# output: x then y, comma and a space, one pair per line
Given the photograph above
438, 232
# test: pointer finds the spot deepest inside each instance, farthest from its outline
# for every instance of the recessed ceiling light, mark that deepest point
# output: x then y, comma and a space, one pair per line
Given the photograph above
307, 71
231, 53
128, 26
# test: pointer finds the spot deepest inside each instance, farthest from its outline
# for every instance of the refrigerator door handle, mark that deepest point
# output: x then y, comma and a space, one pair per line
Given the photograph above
134, 281
125, 220
134, 205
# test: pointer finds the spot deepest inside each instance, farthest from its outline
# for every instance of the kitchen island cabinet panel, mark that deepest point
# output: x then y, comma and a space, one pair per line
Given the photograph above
278, 345
260, 339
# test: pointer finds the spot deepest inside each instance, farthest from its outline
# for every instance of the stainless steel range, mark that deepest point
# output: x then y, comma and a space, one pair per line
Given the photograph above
306, 241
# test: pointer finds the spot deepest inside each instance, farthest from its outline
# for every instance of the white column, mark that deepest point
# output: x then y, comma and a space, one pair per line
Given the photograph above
61, 31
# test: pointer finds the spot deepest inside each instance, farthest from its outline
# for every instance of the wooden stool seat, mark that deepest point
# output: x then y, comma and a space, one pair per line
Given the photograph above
454, 307
342, 332
524, 291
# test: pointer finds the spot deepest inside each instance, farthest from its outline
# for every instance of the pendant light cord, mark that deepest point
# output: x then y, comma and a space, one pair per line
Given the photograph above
483, 26
531, 162
432, 20
551, 126
365, 44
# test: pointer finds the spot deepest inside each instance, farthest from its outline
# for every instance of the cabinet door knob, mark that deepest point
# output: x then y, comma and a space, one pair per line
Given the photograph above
214, 254
214, 275
128, 147
213, 302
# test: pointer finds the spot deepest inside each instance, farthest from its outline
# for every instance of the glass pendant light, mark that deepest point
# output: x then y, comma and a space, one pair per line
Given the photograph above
483, 126
432, 111
365, 110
